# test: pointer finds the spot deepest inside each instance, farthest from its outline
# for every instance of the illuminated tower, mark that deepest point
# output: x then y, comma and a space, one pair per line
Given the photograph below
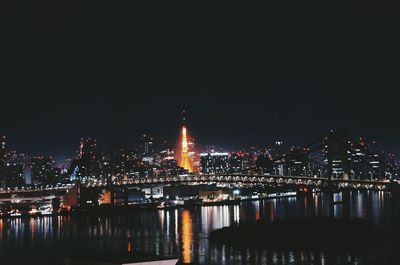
185, 161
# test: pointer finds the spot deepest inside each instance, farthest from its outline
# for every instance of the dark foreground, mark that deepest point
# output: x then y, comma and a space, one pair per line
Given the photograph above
317, 233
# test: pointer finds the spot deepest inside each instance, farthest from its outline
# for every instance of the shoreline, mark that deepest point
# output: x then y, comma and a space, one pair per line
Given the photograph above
126, 209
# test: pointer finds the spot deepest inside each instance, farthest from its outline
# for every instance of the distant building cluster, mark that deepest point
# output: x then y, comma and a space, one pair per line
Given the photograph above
355, 160
122, 162
359, 160
90, 163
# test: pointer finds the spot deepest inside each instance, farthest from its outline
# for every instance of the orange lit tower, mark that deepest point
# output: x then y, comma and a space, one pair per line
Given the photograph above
185, 160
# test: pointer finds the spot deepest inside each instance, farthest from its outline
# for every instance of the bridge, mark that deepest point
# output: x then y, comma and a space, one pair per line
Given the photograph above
194, 179
336, 147
34, 194
246, 179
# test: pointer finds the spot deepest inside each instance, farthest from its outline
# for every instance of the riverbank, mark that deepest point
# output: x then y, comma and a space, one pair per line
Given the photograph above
317, 233
104, 210
45, 238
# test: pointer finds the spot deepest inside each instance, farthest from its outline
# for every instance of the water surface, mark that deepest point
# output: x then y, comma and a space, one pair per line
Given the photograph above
184, 232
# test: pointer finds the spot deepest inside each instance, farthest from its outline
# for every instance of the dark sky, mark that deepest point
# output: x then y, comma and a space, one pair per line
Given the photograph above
245, 78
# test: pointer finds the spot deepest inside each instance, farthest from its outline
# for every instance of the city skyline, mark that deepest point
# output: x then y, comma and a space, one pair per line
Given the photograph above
253, 79
204, 134
134, 144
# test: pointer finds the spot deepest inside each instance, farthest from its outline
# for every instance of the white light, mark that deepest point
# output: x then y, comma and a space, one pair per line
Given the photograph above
214, 154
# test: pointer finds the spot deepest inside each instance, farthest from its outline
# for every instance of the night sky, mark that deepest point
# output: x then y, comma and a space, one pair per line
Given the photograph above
245, 79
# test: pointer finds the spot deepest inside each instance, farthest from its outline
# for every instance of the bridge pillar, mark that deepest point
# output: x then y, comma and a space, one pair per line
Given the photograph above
126, 195
309, 194
73, 198
346, 203
331, 201
310, 201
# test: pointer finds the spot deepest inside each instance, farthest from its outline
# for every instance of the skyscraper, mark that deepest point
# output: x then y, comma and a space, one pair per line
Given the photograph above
43, 170
3, 164
15, 175
119, 159
146, 145
214, 162
2, 146
147, 149
2, 151
337, 155
15, 166
297, 163
235, 163
89, 162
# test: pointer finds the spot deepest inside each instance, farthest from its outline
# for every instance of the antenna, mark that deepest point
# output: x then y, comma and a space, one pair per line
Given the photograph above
183, 117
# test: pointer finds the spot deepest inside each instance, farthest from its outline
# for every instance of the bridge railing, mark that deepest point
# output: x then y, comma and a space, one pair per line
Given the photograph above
210, 178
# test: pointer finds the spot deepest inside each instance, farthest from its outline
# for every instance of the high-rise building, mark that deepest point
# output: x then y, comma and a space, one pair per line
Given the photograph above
170, 167
119, 160
15, 175
91, 158
377, 168
2, 147
3, 162
166, 152
247, 159
277, 150
393, 167
316, 164
265, 163
366, 161
146, 145
2, 152
88, 165
88, 149
337, 155
214, 163
297, 163
235, 163
193, 155
16, 163
147, 149
43, 170
377, 162
359, 158
277, 154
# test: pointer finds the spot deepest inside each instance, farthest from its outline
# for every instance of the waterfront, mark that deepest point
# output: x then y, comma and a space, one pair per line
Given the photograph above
183, 232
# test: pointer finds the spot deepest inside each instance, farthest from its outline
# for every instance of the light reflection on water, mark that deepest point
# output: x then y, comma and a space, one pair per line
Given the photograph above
180, 232
187, 234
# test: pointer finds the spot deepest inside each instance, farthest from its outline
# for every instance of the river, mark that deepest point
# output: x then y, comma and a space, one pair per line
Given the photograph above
183, 232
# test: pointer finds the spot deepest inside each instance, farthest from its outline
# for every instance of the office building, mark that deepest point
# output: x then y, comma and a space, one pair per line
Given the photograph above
214, 163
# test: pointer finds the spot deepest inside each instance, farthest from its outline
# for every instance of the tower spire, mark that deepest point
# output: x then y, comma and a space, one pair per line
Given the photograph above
183, 117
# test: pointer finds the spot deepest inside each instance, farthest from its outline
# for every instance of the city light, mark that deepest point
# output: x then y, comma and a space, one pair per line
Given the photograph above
185, 161
257, 136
